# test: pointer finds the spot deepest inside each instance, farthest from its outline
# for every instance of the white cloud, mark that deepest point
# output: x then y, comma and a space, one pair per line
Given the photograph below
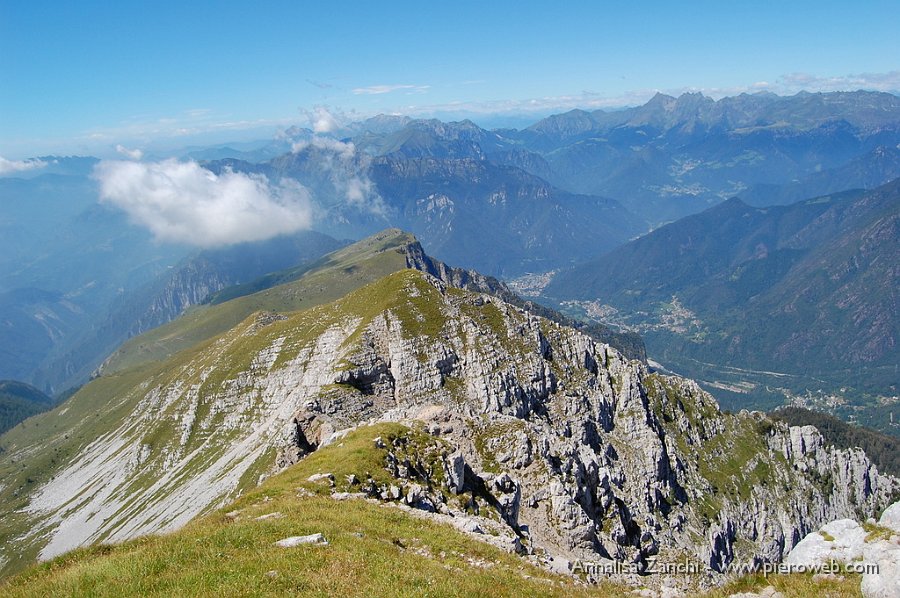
794, 82
345, 150
323, 120
134, 154
357, 189
182, 202
347, 172
380, 89
361, 194
11, 166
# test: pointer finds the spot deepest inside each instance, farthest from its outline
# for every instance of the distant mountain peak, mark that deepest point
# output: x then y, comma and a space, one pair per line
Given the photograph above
660, 98
732, 202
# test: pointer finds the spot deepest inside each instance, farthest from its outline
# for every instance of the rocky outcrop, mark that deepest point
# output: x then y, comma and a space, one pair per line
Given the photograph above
845, 546
578, 451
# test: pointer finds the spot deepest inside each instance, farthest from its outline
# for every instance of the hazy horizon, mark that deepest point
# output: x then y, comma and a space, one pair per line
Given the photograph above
80, 80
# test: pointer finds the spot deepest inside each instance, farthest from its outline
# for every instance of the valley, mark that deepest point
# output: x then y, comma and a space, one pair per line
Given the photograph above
783, 305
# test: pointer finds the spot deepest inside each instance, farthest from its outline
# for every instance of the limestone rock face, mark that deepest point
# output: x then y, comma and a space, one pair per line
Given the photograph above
841, 540
455, 471
586, 454
873, 551
891, 517
885, 583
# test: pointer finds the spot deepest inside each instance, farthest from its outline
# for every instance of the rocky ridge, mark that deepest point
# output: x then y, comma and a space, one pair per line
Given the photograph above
579, 452
628, 343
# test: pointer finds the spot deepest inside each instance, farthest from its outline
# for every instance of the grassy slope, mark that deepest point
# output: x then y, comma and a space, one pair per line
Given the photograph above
54, 438
32, 453
373, 549
330, 279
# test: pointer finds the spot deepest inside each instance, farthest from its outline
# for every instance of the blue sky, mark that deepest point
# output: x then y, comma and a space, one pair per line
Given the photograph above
82, 77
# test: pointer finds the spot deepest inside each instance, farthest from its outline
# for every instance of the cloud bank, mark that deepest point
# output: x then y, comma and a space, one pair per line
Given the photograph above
13, 166
134, 154
347, 171
182, 202
794, 82
381, 89
323, 120
345, 150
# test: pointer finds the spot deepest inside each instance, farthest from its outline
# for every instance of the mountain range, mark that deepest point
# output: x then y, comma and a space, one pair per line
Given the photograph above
65, 259
453, 201
577, 184
77, 277
507, 202
676, 156
182, 285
